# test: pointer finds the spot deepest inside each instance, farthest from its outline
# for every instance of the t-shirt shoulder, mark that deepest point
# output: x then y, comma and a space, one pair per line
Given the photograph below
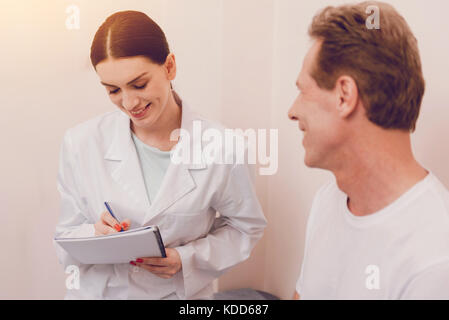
423, 224
433, 217
328, 189
434, 203
441, 194
327, 195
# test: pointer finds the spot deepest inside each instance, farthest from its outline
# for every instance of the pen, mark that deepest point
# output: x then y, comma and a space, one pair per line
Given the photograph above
112, 214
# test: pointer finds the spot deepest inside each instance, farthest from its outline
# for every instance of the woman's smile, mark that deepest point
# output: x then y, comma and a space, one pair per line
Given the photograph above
138, 114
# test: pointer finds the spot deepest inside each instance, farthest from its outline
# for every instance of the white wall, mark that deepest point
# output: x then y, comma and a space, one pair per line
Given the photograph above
237, 64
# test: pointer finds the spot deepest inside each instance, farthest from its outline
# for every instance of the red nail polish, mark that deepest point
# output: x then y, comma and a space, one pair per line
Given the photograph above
139, 260
117, 227
133, 263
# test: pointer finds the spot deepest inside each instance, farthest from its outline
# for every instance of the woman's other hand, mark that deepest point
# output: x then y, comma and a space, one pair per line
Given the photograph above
162, 267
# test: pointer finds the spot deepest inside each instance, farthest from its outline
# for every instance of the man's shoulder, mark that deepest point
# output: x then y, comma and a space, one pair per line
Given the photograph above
432, 203
326, 198
436, 200
439, 194
425, 225
329, 191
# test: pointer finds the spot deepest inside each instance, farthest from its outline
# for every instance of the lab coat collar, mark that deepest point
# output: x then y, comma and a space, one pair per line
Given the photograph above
122, 142
129, 175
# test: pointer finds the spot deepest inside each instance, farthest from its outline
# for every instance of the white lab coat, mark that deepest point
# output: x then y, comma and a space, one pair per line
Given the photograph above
98, 162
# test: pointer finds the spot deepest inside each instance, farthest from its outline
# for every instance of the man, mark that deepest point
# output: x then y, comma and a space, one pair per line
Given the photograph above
381, 229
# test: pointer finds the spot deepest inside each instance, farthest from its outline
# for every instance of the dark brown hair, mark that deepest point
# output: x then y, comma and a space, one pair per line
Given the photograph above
129, 34
384, 62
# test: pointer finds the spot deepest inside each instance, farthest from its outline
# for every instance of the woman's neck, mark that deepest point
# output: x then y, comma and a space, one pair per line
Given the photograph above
158, 135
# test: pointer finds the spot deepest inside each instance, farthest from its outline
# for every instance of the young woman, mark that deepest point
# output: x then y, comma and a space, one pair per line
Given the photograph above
124, 157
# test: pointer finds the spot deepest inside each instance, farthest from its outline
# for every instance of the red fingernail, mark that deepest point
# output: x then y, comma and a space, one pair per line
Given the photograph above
139, 260
124, 225
133, 263
117, 227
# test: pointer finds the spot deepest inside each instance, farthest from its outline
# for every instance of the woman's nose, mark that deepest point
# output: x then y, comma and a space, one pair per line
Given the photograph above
129, 101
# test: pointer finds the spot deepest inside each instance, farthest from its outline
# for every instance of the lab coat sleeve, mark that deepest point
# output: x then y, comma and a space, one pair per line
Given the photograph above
73, 220
234, 235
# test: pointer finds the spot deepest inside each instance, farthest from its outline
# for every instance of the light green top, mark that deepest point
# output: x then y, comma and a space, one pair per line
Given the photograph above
154, 164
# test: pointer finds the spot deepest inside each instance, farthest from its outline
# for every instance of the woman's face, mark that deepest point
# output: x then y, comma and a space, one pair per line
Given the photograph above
139, 87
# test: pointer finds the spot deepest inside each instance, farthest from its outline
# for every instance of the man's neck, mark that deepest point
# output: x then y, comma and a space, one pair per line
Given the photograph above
375, 176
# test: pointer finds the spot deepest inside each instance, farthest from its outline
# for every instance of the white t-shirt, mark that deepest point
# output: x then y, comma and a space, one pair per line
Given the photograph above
399, 252
154, 164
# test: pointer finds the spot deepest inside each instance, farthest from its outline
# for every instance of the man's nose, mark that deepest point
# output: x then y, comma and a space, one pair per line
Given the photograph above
291, 114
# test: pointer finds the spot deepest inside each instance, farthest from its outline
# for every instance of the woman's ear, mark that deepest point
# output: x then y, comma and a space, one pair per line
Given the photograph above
347, 95
170, 66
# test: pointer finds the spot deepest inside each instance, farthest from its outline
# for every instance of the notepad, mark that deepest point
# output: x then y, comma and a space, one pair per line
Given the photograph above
120, 247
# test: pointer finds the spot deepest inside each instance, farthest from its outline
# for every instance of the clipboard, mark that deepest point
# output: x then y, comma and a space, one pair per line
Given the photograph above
120, 247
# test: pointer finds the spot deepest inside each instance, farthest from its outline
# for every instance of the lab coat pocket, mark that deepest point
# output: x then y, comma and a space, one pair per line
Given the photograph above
183, 227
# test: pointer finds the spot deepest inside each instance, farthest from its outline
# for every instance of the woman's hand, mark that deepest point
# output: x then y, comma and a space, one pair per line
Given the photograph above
162, 267
107, 224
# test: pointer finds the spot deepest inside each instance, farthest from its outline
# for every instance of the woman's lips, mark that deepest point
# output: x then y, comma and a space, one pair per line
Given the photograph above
142, 113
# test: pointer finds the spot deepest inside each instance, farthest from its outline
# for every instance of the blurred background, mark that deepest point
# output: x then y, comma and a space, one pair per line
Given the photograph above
237, 64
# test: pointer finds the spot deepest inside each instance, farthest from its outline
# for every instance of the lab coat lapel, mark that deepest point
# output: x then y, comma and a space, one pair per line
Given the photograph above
128, 172
177, 183
178, 180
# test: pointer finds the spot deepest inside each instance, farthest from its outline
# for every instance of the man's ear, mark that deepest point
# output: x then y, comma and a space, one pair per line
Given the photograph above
170, 66
347, 95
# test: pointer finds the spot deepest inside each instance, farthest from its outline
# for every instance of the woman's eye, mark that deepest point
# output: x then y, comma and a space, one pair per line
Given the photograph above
141, 87
137, 87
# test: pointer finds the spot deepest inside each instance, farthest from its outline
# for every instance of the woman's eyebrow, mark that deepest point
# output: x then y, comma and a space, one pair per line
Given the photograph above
111, 85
